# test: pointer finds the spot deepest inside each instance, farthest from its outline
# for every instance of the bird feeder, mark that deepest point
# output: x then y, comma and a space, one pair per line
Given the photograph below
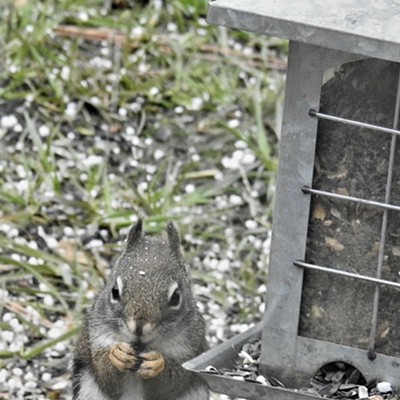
333, 285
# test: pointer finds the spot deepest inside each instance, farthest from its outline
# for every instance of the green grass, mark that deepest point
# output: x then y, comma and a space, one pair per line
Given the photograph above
173, 88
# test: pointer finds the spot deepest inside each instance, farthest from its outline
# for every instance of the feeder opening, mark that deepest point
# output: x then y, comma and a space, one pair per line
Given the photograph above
339, 380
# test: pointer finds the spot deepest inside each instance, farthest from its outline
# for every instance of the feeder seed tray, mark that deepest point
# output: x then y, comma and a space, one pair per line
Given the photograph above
334, 280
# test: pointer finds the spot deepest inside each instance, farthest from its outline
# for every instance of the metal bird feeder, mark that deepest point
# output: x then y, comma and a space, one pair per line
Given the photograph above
334, 285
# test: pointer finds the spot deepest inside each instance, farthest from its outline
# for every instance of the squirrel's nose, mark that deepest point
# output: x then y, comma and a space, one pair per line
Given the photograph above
139, 327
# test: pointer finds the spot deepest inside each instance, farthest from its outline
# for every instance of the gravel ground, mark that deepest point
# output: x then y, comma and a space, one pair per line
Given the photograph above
92, 136
221, 296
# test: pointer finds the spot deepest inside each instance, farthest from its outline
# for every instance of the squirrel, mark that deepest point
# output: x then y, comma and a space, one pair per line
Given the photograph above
142, 326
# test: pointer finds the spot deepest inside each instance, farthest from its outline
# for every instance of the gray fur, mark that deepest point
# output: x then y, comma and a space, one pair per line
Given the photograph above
148, 268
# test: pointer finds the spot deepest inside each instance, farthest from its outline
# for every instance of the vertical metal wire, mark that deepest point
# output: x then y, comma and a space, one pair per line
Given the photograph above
372, 338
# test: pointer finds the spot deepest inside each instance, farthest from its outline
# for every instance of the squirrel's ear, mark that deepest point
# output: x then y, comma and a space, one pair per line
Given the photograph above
174, 240
134, 234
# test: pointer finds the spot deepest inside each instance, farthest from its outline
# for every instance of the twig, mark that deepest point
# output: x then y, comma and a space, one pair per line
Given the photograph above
92, 34
112, 35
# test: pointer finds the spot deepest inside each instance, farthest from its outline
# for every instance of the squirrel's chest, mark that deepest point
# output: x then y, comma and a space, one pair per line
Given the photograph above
133, 390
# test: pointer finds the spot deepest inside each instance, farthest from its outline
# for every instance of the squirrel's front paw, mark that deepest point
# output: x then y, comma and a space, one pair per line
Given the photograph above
152, 365
123, 357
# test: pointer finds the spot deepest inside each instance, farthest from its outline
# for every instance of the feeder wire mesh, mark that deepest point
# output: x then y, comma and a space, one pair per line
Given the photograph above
385, 205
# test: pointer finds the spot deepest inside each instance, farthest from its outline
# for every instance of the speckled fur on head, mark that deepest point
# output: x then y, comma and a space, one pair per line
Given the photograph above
150, 269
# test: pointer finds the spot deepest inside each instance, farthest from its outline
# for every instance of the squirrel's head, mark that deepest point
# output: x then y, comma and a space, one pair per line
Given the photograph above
149, 291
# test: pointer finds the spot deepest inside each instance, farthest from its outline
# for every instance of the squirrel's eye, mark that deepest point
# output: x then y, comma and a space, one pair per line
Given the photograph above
116, 290
175, 299
115, 293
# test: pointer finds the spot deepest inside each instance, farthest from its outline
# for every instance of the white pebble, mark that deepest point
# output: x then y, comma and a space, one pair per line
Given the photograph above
44, 130
3, 375
158, 4
13, 233
196, 157
137, 32
68, 231
60, 347
46, 376
31, 385
105, 51
158, 154
14, 383
18, 128
190, 188
224, 265
142, 187
151, 169
196, 104
21, 171
55, 332
83, 16
241, 144
71, 136
172, 27
233, 123
384, 387
143, 68
16, 257
15, 346
251, 224
17, 371
92, 160
8, 121
3, 294
230, 163
95, 100
13, 69
29, 376
60, 385
135, 107
248, 158
254, 194
95, 243
201, 31
154, 91
7, 317
71, 110
122, 112
16, 325
262, 289
130, 130
148, 141
235, 200
8, 336
65, 73
48, 300
219, 176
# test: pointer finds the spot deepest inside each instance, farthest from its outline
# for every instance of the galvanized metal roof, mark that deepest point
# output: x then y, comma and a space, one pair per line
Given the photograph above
368, 27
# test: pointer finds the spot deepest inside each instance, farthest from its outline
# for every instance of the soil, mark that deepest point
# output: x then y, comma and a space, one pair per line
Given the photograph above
344, 235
